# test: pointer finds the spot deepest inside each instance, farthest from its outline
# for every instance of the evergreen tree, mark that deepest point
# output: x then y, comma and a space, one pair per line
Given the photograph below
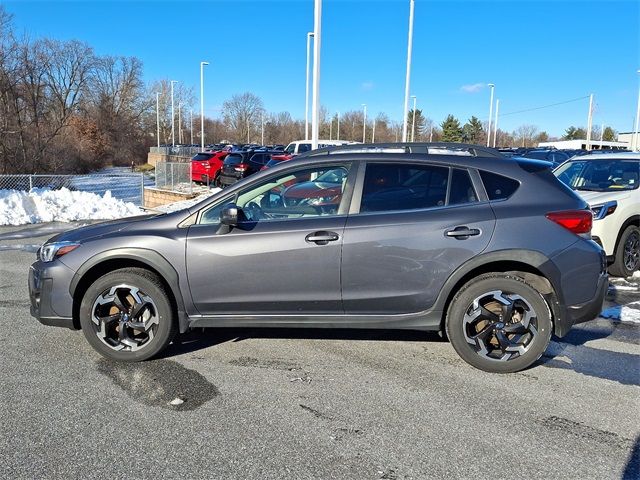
420, 124
573, 133
451, 130
472, 132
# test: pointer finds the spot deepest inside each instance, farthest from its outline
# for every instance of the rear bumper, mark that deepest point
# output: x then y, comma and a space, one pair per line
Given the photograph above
568, 315
227, 179
51, 302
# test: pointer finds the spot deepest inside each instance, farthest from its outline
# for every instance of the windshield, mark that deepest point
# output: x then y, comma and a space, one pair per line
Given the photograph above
202, 156
332, 176
291, 148
600, 175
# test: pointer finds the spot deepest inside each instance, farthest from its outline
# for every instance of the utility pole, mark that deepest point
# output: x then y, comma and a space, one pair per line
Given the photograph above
407, 81
589, 122
315, 107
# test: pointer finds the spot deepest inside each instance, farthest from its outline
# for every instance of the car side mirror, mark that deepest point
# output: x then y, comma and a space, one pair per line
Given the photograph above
229, 215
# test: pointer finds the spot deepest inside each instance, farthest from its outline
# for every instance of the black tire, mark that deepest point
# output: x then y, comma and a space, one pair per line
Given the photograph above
97, 314
627, 256
480, 342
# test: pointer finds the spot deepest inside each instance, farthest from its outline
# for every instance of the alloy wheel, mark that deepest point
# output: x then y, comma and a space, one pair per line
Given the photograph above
125, 318
500, 326
631, 256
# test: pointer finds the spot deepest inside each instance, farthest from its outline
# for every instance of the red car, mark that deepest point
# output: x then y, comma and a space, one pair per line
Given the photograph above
205, 166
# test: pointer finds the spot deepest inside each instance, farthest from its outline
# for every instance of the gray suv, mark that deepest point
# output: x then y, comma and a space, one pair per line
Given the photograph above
458, 239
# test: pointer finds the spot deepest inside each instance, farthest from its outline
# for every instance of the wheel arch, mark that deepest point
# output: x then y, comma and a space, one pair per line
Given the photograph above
632, 220
111, 260
533, 267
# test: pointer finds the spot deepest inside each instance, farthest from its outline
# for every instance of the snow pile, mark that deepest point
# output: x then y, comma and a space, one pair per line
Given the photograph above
44, 205
626, 304
625, 313
174, 207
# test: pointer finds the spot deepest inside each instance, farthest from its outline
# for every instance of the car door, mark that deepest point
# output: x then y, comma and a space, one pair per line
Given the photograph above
415, 224
283, 258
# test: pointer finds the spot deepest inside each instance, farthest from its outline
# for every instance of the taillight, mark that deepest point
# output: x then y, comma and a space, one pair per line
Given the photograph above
576, 221
241, 167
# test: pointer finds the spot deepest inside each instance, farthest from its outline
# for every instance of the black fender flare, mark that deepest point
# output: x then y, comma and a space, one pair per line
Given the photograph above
152, 259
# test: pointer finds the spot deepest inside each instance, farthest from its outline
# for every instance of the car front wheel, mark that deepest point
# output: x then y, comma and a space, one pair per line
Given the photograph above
627, 257
499, 323
126, 315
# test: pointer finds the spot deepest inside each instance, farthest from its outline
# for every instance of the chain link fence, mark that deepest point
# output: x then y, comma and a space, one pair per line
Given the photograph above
174, 176
128, 187
177, 151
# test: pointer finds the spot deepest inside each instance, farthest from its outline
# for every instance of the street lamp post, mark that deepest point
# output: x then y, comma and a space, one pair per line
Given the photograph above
636, 140
158, 117
306, 88
262, 128
191, 125
202, 64
495, 125
364, 123
173, 126
338, 135
490, 114
408, 75
589, 122
179, 123
373, 132
330, 128
413, 123
315, 107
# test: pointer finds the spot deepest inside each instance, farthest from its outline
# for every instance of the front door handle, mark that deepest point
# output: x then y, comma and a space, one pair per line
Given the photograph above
322, 238
462, 233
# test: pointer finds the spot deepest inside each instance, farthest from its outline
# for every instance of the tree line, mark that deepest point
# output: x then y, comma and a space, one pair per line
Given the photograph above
63, 109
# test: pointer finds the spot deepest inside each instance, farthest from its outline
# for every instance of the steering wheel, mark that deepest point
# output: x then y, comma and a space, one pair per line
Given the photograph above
254, 212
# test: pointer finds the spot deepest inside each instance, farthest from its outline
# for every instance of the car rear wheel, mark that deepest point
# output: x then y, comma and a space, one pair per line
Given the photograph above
126, 315
627, 256
499, 323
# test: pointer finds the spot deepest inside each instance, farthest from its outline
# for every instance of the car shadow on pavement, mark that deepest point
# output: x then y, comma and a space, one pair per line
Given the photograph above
199, 339
572, 352
632, 468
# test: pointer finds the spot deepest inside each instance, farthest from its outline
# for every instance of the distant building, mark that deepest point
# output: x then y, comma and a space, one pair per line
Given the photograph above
628, 137
582, 144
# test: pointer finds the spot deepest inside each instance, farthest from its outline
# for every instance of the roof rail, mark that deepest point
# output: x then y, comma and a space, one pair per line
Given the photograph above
434, 148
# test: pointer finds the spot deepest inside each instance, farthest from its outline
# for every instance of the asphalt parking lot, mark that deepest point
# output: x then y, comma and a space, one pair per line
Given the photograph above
309, 404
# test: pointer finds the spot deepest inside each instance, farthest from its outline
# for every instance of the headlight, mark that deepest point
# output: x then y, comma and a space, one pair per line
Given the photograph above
51, 251
602, 210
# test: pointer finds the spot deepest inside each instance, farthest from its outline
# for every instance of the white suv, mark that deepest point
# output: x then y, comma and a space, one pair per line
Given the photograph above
610, 183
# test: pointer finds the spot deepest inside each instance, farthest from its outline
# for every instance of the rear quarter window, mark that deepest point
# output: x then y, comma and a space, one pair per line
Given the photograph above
498, 187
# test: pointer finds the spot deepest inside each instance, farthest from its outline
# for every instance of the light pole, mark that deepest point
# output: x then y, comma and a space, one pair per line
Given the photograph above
490, 114
589, 122
338, 137
179, 123
413, 123
173, 126
431, 134
495, 125
191, 125
635, 140
315, 107
306, 88
330, 128
158, 117
373, 132
364, 123
262, 127
408, 76
202, 64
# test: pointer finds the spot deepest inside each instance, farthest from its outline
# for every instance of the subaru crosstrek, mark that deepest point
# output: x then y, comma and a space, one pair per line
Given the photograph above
494, 253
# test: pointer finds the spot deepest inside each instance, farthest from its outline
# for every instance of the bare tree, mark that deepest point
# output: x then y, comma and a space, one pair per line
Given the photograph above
525, 135
242, 113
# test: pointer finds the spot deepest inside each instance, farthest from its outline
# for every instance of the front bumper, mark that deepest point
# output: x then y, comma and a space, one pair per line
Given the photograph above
568, 315
51, 302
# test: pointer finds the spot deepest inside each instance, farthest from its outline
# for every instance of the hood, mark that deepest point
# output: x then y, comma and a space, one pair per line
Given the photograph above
98, 229
597, 198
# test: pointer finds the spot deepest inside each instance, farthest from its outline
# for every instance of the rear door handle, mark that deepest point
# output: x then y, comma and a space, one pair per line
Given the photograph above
462, 233
322, 238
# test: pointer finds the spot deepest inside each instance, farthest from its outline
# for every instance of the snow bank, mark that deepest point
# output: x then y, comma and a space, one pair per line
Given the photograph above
625, 313
174, 207
44, 205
